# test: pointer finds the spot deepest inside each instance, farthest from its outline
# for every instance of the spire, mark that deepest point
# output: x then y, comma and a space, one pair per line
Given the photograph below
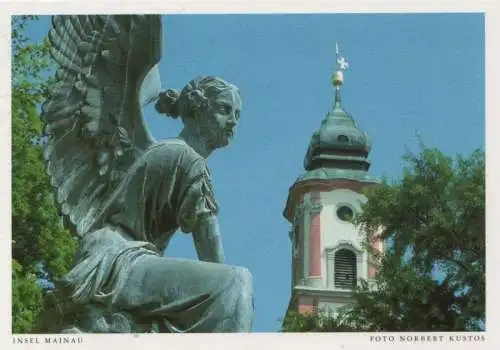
338, 74
338, 143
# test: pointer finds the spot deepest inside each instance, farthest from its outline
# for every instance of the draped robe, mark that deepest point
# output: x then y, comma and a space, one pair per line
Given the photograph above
119, 265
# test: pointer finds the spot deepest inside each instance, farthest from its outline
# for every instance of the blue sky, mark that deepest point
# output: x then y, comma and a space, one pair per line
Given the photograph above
409, 74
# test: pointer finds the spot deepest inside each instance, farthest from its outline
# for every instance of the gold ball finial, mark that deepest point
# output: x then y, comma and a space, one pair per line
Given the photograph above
338, 78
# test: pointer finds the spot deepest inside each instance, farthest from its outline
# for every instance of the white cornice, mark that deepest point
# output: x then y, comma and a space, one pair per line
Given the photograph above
311, 291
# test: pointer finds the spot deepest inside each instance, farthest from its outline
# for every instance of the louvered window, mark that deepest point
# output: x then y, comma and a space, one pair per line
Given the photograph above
345, 269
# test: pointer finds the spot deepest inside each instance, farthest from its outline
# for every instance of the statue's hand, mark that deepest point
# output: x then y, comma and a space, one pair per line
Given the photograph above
207, 240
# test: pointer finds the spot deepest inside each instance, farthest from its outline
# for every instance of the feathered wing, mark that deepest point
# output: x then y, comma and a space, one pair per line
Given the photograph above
93, 119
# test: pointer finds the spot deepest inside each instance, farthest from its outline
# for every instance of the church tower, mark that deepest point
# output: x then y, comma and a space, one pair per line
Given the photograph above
327, 255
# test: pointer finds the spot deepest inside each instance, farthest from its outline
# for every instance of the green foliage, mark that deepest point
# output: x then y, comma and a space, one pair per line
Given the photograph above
37, 233
27, 299
432, 275
295, 322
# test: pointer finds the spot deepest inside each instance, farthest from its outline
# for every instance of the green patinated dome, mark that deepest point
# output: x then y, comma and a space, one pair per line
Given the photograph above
338, 143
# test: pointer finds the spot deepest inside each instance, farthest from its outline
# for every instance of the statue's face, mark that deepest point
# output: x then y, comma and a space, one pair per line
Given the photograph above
222, 117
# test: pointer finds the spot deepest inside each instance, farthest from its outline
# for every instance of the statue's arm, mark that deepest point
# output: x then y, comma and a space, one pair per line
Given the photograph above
207, 240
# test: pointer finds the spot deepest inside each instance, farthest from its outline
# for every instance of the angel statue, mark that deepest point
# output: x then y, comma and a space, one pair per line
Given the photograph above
125, 194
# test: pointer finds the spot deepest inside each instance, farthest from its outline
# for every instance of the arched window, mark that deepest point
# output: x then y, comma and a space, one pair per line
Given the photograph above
345, 274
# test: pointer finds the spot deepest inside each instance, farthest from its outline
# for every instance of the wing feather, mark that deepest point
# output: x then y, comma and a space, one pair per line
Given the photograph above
65, 60
93, 119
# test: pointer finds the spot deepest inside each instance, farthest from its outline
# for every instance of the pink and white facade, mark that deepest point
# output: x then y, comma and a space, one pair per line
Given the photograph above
318, 235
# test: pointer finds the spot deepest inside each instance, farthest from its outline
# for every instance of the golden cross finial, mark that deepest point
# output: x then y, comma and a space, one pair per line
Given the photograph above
342, 65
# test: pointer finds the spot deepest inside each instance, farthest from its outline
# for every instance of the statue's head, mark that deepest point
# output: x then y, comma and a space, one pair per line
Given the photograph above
208, 106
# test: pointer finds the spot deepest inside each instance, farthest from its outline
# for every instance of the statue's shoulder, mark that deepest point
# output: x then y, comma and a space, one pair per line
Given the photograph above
175, 152
176, 146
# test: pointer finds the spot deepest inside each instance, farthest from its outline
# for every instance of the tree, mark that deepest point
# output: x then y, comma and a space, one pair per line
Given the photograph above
41, 247
432, 275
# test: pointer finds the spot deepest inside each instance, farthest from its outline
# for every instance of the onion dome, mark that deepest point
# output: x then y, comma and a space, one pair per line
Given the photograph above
338, 143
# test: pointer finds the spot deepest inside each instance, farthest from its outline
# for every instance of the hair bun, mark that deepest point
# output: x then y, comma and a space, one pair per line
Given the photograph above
168, 103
